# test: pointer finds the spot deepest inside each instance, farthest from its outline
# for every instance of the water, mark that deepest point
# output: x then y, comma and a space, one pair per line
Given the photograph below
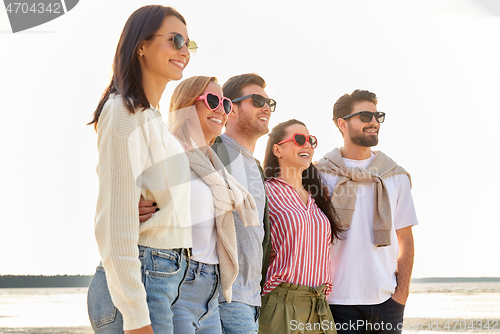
35, 310
43, 307
454, 301
453, 307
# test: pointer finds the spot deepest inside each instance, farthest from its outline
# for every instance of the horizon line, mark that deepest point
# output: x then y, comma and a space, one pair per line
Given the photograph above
413, 278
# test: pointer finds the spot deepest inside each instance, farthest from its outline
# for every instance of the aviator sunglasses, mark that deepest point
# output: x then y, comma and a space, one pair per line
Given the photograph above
178, 42
258, 101
366, 116
300, 140
213, 101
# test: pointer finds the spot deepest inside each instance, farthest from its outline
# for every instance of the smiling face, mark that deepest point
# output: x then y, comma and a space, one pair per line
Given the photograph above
160, 61
292, 156
357, 132
211, 121
252, 122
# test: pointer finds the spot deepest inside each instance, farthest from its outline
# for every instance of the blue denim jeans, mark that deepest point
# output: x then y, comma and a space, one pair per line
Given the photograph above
197, 308
163, 271
239, 318
385, 318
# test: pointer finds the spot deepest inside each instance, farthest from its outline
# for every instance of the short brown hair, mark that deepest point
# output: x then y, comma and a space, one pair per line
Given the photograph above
233, 87
345, 103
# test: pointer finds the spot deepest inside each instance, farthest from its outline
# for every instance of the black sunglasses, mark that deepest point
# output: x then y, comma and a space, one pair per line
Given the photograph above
178, 42
258, 101
366, 116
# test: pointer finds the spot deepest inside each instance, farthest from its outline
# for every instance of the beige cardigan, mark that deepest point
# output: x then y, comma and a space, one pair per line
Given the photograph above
137, 156
345, 192
228, 196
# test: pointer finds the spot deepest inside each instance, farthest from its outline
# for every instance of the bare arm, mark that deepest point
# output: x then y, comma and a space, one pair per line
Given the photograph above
144, 330
405, 264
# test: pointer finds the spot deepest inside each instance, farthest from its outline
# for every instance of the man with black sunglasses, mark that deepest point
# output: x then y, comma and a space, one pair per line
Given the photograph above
371, 267
248, 121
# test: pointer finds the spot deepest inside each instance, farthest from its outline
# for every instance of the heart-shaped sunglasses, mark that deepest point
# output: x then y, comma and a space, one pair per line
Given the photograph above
213, 101
300, 140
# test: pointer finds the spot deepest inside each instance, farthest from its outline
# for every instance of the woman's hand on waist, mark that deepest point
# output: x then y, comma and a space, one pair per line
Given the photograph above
146, 209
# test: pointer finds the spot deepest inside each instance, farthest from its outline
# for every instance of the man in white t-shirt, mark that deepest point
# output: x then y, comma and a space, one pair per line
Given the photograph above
372, 265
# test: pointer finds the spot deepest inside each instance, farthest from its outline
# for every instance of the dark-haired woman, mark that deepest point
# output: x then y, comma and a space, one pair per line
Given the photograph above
142, 267
303, 225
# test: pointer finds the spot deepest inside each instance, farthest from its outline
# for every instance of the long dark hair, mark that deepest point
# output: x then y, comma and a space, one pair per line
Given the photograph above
311, 178
127, 77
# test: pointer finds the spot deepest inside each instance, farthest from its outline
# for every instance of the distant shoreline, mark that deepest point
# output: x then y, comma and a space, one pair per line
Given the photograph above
41, 281
83, 281
455, 280
411, 325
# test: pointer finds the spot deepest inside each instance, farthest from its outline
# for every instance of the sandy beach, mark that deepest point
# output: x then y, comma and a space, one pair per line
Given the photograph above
450, 325
410, 325
48, 330
432, 308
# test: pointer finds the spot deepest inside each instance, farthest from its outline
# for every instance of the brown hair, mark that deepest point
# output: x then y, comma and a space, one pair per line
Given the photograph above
127, 76
311, 178
233, 87
184, 96
345, 103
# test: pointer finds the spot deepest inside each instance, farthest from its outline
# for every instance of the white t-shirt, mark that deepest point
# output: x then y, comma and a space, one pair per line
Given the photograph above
203, 230
364, 274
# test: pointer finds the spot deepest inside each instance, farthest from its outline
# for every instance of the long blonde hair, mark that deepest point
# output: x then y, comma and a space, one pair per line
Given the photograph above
182, 101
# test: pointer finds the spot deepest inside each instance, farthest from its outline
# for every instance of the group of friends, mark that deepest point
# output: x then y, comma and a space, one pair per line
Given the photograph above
195, 236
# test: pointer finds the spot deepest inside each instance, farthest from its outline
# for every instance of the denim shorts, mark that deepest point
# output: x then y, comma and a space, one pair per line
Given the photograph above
197, 308
239, 318
163, 271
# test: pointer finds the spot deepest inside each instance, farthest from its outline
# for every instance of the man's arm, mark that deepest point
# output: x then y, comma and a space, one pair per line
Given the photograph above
405, 264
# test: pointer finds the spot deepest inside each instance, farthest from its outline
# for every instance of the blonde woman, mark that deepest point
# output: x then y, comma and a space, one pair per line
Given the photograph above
198, 112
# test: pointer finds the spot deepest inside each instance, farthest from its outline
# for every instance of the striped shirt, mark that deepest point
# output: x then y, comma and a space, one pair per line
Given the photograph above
300, 237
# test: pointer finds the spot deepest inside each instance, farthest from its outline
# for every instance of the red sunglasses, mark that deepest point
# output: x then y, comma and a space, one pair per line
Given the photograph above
213, 101
300, 140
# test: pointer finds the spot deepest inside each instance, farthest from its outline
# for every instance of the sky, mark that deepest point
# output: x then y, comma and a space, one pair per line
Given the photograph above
433, 65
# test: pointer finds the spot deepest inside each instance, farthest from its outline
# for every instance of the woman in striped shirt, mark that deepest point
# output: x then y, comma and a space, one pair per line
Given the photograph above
303, 225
